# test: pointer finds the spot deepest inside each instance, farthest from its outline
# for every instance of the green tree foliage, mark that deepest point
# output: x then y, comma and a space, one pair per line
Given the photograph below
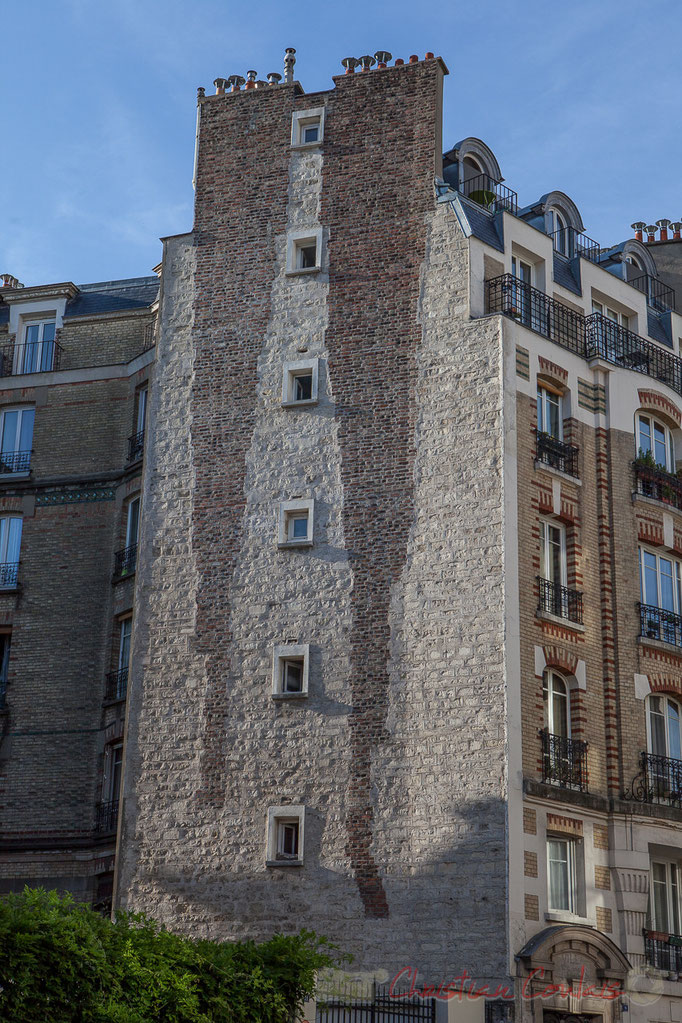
60, 962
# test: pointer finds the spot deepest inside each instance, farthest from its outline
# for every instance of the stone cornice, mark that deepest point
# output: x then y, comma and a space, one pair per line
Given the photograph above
17, 295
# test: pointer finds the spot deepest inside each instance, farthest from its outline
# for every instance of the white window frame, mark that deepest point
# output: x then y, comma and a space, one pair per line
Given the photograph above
11, 585
299, 652
544, 393
21, 410
672, 895
109, 774
126, 633
622, 319
545, 525
298, 240
283, 815
288, 511
131, 518
548, 686
519, 267
21, 350
558, 222
141, 414
290, 371
676, 576
667, 433
302, 119
572, 877
669, 749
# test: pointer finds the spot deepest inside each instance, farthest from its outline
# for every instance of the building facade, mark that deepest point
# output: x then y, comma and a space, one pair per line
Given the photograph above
74, 368
407, 663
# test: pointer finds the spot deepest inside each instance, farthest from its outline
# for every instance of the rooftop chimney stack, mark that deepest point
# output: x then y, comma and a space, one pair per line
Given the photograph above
251, 77
367, 62
274, 78
235, 82
677, 229
663, 226
651, 232
9, 281
350, 64
289, 61
638, 227
383, 57
220, 86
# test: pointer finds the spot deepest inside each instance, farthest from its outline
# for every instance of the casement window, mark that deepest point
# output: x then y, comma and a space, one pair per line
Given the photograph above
304, 251
113, 766
132, 523
557, 704
553, 552
296, 523
550, 413
10, 547
664, 902
290, 670
307, 128
36, 352
660, 581
5, 641
16, 439
522, 271
306, 254
300, 382
141, 414
562, 875
655, 439
285, 826
124, 644
611, 314
664, 727
559, 231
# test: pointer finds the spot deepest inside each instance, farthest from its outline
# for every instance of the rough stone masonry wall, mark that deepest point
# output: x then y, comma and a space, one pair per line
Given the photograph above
398, 751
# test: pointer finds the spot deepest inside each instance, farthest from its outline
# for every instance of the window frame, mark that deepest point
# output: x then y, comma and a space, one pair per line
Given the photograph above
667, 698
548, 688
21, 410
543, 393
131, 518
290, 511
545, 525
676, 579
672, 896
142, 395
558, 222
109, 771
302, 119
21, 350
281, 654
290, 371
669, 440
124, 641
276, 817
296, 242
4, 547
571, 873
623, 320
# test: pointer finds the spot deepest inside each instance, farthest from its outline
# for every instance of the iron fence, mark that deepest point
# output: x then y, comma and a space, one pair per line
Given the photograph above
15, 461
572, 243
490, 194
117, 685
136, 446
551, 451
9, 572
651, 481
608, 340
124, 561
106, 815
535, 310
37, 357
560, 600
663, 953
657, 623
564, 761
658, 295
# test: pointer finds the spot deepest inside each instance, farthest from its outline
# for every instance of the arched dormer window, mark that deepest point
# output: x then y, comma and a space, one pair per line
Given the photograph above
664, 726
471, 168
634, 262
558, 228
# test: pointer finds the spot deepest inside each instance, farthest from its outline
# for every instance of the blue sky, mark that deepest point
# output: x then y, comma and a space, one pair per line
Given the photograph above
99, 108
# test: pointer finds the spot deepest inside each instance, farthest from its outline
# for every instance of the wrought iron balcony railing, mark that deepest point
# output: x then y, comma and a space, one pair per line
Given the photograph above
117, 685
571, 243
14, 461
560, 601
657, 623
490, 194
665, 953
136, 446
106, 815
9, 572
659, 780
591, 337
551, 451
658, 295
652, 481
124, 561
38, 357
564, 761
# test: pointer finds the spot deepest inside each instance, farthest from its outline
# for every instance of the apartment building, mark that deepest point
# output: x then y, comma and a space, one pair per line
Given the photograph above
75, 362
407, 666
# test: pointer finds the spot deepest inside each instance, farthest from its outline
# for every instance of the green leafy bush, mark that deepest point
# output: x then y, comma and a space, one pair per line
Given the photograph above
60, 962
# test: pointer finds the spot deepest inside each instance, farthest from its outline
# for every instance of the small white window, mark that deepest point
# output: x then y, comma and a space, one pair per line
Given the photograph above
16, 440
557, 704
10, 546
296, 523
290, 670
655, 442
304, 251
307, 128
611, 314
299, 383
552, 552
561, 874
559, 232
284, 846
550, 413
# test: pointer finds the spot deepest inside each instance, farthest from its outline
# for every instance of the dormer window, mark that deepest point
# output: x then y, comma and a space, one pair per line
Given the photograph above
559, 231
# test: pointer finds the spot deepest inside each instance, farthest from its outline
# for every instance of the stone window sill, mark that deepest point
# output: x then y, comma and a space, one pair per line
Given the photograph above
558, 620
539, 464
290, 696
307, 145
294, 543
562, 917
299, 404
284, 863
303, 271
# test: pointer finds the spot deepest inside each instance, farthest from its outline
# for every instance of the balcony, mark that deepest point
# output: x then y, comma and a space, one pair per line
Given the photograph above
663, 951
659, 780
657, 623
564, 761
592, 337
658, 295
117, 685
556, 454
39, 357
9, 572
560, 601
490, 194
652, 481
106, 815
570, 243
136, 446
14, 461
125, 561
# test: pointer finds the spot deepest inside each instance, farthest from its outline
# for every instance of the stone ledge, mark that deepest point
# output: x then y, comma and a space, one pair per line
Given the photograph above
539, 464
546, 616
559, 795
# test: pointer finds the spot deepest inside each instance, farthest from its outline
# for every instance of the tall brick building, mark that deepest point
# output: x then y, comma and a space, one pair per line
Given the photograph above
74, 367
394, 677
